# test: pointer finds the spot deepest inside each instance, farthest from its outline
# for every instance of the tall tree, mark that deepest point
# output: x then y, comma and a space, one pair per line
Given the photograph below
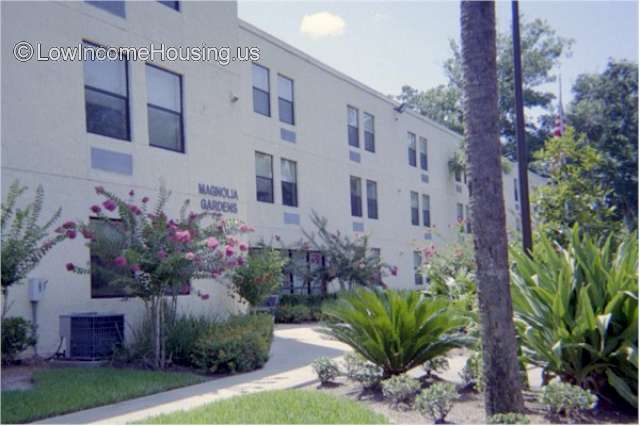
605, 109
481, 115
542, 49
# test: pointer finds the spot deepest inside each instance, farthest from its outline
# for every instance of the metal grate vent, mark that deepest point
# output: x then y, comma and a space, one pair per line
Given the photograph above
91, 336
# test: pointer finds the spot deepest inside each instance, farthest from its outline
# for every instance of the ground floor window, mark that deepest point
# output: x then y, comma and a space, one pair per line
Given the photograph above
297, 277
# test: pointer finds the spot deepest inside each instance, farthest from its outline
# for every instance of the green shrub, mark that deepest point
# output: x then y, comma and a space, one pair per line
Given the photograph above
564, 398
326, 369
508, 419
576, 310
259, 277
400, 389
396, 330
472, 374
17, 336
182, 335
297, 308
435, 365
353, 362
368, 375
436, 401
236, 345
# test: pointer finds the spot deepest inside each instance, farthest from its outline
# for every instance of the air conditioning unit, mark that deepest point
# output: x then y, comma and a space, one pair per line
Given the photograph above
90, 335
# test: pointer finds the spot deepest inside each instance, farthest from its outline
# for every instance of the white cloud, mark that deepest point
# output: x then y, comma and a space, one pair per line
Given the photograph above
322, 24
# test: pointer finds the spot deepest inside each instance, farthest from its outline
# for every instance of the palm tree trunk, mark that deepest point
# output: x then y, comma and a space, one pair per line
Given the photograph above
503, 390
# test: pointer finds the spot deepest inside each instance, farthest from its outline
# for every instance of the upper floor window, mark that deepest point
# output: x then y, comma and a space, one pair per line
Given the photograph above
515, 189
426, 210
106, 95
264, 177
289, 172
352, 126
459, 212
175, 5
424, 162
415, 208
285, 99
369, 132
261, 92
372, 199
115, 7
412, 149
356, 196
164, 107
458, 175
417, 267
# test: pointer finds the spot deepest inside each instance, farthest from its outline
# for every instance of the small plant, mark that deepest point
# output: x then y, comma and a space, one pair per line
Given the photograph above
435, 365
508, 419
565, 398
17, 336
472, 375
436, 401
368, 375
326, 369
353, 362
401, 389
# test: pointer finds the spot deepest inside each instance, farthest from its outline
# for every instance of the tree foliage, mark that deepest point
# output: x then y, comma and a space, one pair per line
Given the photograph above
260, 276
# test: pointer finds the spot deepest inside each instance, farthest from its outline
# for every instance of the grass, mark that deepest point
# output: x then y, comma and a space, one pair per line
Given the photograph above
64, 390
276, 407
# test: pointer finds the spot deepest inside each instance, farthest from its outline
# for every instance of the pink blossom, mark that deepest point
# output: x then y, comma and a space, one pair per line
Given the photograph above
204, 296
246, 228
71, 234
183, 236
212, 243
161, 254
145, 200
241, 261
190, 256
243, 247
70, 266
135, 267
134, 209
110, 205
120, 261
99, 190
87, 234
69, 225
228, 250
394, 270
231, 241
96, 209
131, 193
185, 288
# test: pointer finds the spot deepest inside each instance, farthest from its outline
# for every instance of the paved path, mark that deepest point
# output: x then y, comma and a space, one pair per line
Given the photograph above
294, 348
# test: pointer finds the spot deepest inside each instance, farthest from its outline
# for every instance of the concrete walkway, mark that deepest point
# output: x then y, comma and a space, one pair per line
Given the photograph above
293, 350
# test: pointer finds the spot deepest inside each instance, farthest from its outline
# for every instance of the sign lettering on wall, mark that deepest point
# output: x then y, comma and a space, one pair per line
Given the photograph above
222, 199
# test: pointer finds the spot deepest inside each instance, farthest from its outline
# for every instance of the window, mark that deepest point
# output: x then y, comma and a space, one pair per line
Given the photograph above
377, 253
264, 177
426, 210
417, 263
352, 126
164, 106
285, 99
515, 189
175, 5
356, 196
468, 224
261, 95
369, 132
424, 163
458, 175
289, 172
294, 280
412, 149
460, 212
106, 96
115, 7
415, 214
372, 199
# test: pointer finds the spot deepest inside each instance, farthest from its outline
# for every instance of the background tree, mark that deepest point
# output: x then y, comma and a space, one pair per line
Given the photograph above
481, 115
260, 276
605, 109
542, 49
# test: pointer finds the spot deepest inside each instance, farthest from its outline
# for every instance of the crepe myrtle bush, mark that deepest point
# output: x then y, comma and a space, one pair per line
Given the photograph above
141, 249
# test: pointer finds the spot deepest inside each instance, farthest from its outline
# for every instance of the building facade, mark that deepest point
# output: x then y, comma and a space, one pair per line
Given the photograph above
267, 140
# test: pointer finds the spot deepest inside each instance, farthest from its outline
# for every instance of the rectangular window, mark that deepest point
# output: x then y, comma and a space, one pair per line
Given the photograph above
115, 7
424, 163
264, 177
369, 132
372, 199
415, 209
175, 5
261, 93
412, 149
515, 189
460, 212
426, 210
356, 196
468, 224
289, 173
106, 95
458, 175
285, 99
352, 126
164, 107
417, 264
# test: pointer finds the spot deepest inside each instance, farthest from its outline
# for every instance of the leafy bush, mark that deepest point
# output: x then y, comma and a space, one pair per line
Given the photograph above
564, 398
236, 345
472, 374
508, 419
435, 365
259, 277
396, 330
182, 335
326, 369
368, 375
293, 314
17, 336
401, 389
577, 312
436, 401
288, 310
353, 362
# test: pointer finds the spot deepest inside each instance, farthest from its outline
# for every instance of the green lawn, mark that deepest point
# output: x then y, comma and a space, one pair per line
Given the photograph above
276, 407
64, 390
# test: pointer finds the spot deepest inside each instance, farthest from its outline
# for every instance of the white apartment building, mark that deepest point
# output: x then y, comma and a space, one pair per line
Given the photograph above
286, 133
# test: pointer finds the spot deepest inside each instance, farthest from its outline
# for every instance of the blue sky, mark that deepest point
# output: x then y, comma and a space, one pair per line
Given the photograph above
387, 44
